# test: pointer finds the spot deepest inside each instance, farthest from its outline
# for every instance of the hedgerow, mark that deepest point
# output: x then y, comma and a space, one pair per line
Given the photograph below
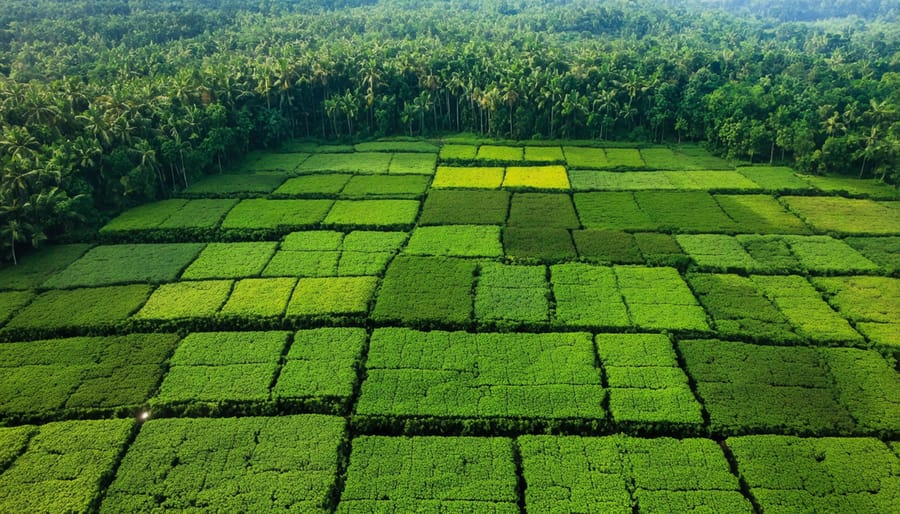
538, 244
253, 298
413, 163
430, 475
748, 388
259, 213
199, 299
536, 177
80, 309
544, 154
451, 177
359, 162
760, 214
61, 467
122, 264
500, 153
628, 474
512, 294
333, 296
542, 210
461, 375
456, 241
376, 186
581, 157
313, 185
423, 290
646, 385
845, 216
829, 474
373, 213
34, 268
232, 464
451, 207
607, 247
231, 260
236, 184
86, 375
588, 296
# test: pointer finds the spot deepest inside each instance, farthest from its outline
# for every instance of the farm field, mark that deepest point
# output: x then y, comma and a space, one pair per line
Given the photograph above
420, 326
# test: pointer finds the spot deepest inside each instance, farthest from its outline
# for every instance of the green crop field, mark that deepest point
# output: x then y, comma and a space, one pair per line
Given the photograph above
478, 326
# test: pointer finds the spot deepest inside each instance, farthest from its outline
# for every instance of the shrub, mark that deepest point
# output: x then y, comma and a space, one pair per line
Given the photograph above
592, 180
775, 178
718, 253
704, 180
661, 250
675, 211
607, 247
544, 154
233, 184
624, 158
259, 297
278, 161
659, 299
616, 211
885, 251
396, 146
12, 301
199, 214
587, 296
760, 214
458, 152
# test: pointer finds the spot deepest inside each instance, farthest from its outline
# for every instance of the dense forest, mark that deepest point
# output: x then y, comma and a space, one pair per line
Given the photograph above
110, 103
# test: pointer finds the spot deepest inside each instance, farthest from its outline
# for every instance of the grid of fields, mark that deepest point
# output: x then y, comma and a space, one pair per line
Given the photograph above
410, 326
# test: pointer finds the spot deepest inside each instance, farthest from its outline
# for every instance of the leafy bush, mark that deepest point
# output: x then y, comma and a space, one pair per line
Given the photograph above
611, 474
43, 379
430, 474
231, 260
828, 474
186, 300
425, 290
580, 157
313, 185
760, 214
413, 163
375, 186
542, 210
646, 384
538, 244
334, 296
500, 153
61, 467
81, 308
264, 464
607, 247
544, 154
536, 177
457, 374
846, 216
747, 388
448, 177
259, 297
34, 268
456, 241
360, 162
512, 294
259, 213
373, 213
444, 207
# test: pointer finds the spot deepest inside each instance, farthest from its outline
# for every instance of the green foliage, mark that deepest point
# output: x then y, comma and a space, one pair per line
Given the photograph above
196, 299
451, 177
542, 210
231, 260
592, 180
254, 298
64, 466
512, 294
328, 253
747, 388
607, 247
591, 158
231, 464
682, 212
884, 251
500, 153
702, 180
312, 241
371, 186
396, 146
775, 178
41, 379
313, 185
334, 296
360, 162
538, 244
456, 241
172, 214
616, 211
235, 184
259, 213
682, 159
457, 374
290, 263
424, 290
452, 152
536, 177
872, 303
34, 268
846, 216
854, 186
413, 163
660, 249
739, 309
867, 386
771, 251
624, 158
81, 308
321, 364
587, 296
277, 162
373, 213
544, 154
659, 299
760, 214
430, 475
452, 207
718, 253
12, 301
823, 254
368, 253
124, 264
828, 474
145, 217
610, 474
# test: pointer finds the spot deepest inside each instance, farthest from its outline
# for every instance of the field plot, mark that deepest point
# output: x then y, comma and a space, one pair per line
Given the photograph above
230, 464
480, 326
613, 474
430, 474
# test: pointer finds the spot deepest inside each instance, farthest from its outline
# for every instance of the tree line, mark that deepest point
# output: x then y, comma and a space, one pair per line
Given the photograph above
109, 104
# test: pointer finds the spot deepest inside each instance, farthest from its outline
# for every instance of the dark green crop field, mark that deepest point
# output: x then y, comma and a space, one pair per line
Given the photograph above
413, 326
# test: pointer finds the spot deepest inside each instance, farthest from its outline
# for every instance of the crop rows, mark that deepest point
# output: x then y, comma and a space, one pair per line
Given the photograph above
409, 326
